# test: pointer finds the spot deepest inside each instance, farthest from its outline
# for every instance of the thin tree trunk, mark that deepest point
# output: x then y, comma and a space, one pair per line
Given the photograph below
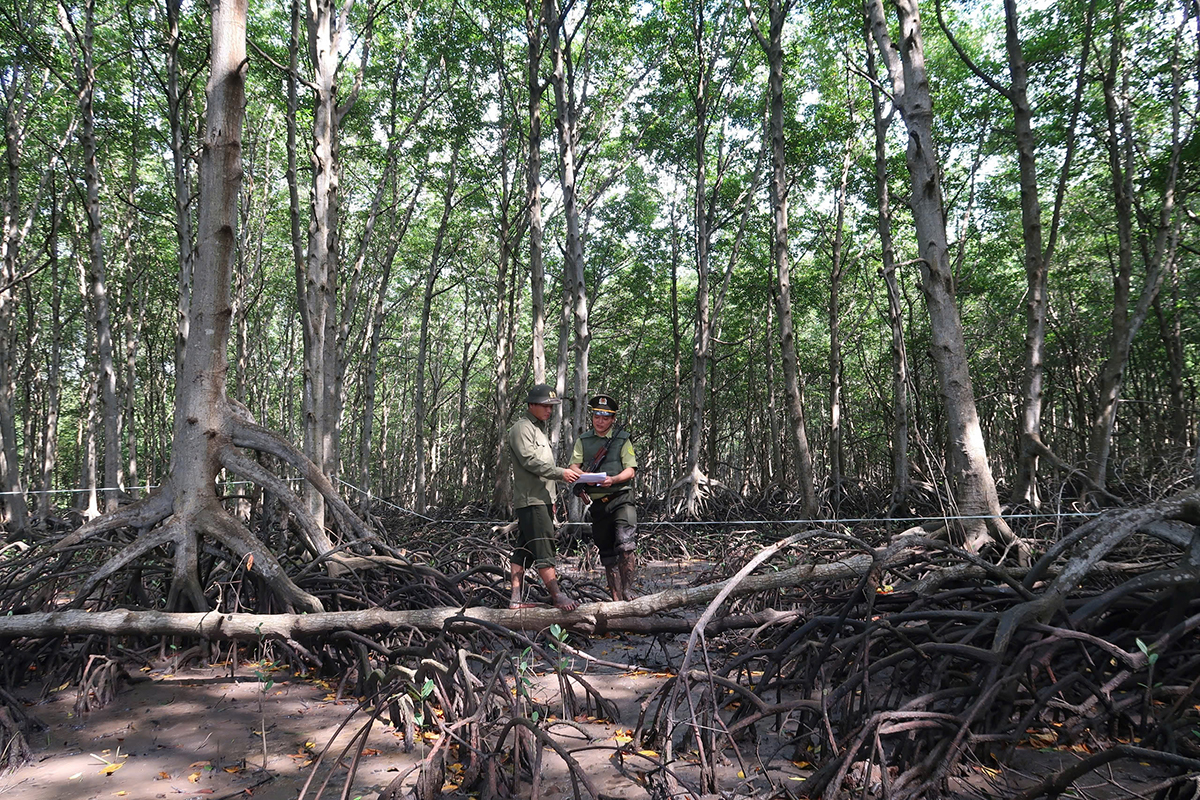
49, 437
772, 45
536, 21
507, 305
420, 415
566, 124
85, 71
901, 466
1129, 312
837, 267
178, 112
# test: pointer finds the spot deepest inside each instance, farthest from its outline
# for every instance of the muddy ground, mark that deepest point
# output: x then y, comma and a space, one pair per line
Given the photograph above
253, 729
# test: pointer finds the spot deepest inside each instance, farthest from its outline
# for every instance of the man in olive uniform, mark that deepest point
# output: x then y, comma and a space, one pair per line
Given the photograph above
534, 476
614, 517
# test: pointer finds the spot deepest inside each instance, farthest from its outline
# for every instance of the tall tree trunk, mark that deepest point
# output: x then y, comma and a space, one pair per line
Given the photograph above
566, 124
1129, 311
49, 435
973, 485
420, 414
901, 466
13, 508
1036, 257
536, 16
772, 45
512, 218
85, 71
836, 270
178, 113
1170, 331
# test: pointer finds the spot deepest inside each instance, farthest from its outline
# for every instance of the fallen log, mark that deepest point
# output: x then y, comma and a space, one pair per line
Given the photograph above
592, 618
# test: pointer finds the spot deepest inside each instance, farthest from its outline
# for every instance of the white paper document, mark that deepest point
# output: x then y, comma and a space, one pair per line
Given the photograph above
592, 477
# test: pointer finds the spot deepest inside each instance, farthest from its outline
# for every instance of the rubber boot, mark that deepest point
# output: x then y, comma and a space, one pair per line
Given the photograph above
626, 566
613, 574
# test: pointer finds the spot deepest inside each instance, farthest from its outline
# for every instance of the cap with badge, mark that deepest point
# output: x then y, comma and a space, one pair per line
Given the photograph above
543, 395
603, 405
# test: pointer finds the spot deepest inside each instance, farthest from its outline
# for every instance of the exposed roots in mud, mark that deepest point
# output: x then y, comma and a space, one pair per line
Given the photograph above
928, 668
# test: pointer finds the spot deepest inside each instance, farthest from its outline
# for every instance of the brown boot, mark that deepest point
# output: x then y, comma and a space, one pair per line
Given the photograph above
626, 565
613, 575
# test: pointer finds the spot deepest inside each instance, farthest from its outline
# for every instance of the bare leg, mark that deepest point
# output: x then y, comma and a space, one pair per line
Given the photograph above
557, 596
517, 574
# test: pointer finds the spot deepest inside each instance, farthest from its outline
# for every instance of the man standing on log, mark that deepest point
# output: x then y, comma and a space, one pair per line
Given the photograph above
614, 518
534, 475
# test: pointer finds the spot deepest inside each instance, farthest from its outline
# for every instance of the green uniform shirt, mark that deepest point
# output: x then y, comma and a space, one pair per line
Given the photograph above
534, 470
615, 461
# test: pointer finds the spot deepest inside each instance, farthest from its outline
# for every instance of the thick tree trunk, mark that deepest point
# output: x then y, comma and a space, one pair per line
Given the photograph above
589, 617
973, 484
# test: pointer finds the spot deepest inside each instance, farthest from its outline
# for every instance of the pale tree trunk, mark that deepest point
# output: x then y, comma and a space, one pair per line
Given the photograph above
178, 118
134, 315
676, 340
512, 218
562, 362
210, 429
702, 88
536, 14
420, 415
85, 73
772, 45
13, 509
49, 434
973, 484
319, 288
374, 333
88, 499
901, 466
1159, 247
1036, 256
837, 267
318, 292
776, 435
566, 123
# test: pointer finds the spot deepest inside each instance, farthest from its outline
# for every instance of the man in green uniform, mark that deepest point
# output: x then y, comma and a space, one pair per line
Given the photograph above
534, 476
614, 517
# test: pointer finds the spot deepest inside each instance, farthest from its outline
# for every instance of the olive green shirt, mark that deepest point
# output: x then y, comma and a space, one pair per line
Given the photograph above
534, 470
627, 456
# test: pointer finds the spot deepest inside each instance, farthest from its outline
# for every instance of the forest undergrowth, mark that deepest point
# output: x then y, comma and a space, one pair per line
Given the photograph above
917, 664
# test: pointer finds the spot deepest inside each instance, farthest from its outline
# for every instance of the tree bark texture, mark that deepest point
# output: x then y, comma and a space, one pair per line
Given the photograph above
974, 486
772, 45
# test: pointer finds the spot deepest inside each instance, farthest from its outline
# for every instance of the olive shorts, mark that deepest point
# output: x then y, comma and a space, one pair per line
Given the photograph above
535, 538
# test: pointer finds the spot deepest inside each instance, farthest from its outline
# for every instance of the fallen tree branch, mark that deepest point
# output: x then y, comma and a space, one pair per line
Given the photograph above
589, 617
